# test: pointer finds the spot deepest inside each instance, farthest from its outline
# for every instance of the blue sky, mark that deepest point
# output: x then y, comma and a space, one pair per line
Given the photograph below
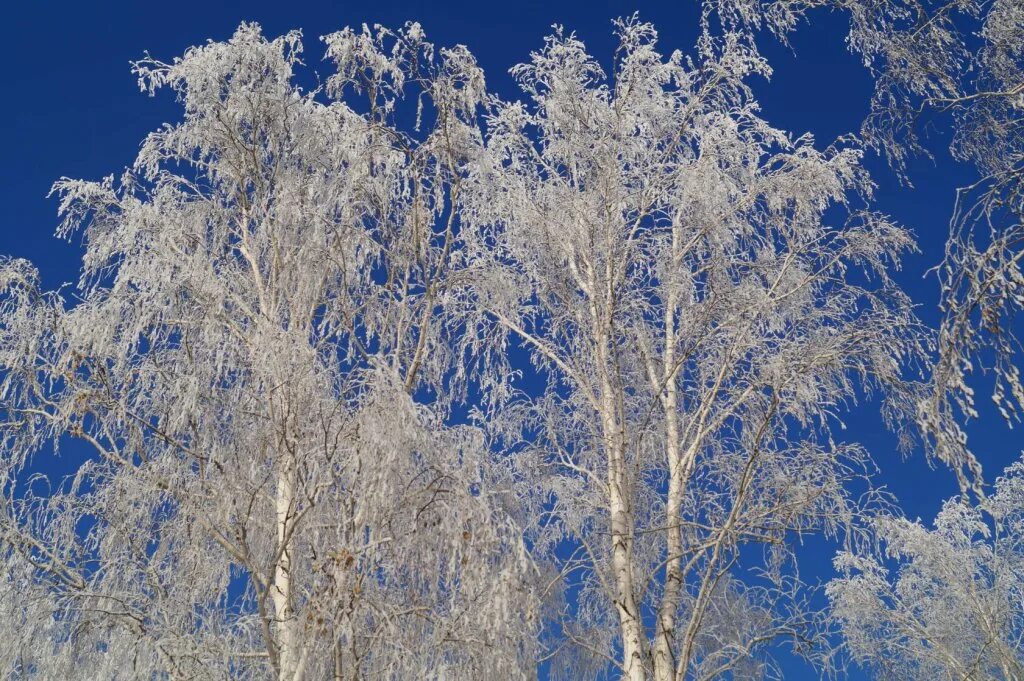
73, 108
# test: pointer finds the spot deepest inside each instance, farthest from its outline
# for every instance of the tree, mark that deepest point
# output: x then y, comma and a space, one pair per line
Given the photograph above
943, 602
665, 256
256, 357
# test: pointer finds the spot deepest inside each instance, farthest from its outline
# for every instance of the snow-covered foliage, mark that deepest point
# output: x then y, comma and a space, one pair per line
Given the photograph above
941, 603
665, 255
263, 294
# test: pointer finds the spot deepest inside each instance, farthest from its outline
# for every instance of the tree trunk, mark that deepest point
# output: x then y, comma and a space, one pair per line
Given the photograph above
622, 565
622, 539
663, 654
280, 587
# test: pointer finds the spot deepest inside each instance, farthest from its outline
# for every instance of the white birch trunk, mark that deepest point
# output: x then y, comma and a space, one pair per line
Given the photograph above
280, 587
663, 655
621, 519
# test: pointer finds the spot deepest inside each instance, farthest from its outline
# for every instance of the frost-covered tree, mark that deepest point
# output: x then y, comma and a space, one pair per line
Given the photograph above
255, 360
941, 603
665, 256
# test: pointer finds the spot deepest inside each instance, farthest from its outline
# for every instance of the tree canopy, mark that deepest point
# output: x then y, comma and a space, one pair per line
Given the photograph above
295, 354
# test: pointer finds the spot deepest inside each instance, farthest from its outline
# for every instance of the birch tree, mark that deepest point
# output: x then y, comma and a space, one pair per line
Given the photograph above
942, 602
665, 256
254, 358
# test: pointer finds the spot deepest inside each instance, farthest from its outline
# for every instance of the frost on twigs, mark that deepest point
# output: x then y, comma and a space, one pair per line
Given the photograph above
955, 65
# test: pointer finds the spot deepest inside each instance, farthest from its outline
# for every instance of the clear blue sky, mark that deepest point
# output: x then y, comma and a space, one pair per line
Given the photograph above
71, 107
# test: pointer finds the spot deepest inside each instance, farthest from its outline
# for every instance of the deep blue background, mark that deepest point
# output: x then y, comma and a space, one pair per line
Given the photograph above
72, 108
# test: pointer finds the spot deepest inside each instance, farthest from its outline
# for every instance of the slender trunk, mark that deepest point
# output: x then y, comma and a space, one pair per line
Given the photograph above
621, 535
631, 626
622, 566
280, 587
663, 654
